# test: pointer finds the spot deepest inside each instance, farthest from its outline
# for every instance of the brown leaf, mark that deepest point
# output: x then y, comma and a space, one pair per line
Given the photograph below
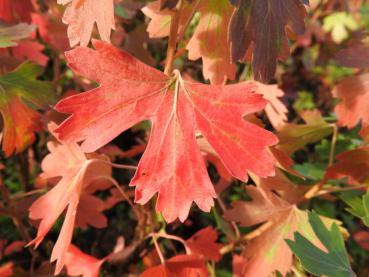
263, 23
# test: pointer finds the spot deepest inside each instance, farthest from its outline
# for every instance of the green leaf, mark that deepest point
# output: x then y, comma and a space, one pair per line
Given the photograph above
304, 101
224, 225
9, 35
23, 82
365, 218
334, 262
359, 206
21, 96
338, 24
293, 137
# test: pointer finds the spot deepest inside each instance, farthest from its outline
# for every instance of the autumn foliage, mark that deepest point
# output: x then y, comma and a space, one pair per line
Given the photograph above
184, 138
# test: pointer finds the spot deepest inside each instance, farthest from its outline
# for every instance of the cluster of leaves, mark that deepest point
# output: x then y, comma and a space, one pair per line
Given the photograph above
204, 161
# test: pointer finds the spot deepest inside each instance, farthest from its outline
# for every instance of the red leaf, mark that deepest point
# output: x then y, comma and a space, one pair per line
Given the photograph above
362, 238
179, 266
52, 31
172, 164
6, 270
239, 264
284, 161
90, 210
212, 157
81, 264
353, 164
203, 243
14, 247
16, 10
354, 95
30, 50
81, 16
222, 171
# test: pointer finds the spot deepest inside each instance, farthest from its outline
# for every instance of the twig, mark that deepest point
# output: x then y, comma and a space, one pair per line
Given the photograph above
121, 166
124, 166
252, 235
257, 232
173, 37
193, 11
23, 167
26, 194
233, 223
339, 190
167, 236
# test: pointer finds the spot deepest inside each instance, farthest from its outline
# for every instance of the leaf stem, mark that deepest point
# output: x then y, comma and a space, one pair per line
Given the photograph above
333, 144
193, 11
173, 37
26, 194
233, 223
167, 236
157, 247
332, 190
121, 166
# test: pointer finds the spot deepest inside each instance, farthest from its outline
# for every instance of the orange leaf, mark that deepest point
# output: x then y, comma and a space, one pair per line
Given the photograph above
179, 266
354, 106
81, 16
275, 109
209, 41
77, 172
81, 264
203, 243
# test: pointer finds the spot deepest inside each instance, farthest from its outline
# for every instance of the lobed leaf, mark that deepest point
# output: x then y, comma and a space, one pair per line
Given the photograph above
259, 26
19, 90
332, 262
172, 164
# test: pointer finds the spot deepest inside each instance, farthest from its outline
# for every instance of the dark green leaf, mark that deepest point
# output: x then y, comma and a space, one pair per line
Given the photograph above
334, 262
